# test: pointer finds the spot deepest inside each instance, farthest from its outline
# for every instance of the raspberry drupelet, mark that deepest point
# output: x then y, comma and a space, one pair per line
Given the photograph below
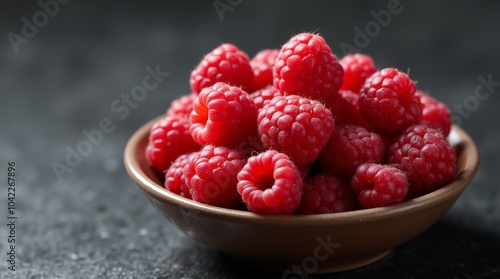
270, 183
225, 63
297, 126
307, 67
426, 157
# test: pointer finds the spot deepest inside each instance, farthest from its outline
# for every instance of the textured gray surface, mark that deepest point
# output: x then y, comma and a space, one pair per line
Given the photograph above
94, 222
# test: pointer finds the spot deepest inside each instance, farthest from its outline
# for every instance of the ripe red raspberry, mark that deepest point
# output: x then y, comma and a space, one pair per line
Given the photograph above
307, 67
174, 177
270, 183
223, 115
379, 185
326, 193
388, 103
263, 96
351, 97
168, 139
435, 114
426, 157
348, 147
344, 108
296, 126
357, 68
182, 106
211, 176
262, 65
225, 63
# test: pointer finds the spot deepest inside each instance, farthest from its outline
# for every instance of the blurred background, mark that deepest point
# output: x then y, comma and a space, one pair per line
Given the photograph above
65, 66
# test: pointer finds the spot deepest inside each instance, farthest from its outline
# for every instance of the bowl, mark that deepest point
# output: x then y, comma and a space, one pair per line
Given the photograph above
309, 243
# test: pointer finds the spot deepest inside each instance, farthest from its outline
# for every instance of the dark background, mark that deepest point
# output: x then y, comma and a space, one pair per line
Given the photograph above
94, 222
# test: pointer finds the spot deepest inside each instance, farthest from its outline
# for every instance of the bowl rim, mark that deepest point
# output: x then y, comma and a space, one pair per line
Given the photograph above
449, 191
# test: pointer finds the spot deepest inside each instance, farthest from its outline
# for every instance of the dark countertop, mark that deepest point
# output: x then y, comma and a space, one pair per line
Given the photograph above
93, 222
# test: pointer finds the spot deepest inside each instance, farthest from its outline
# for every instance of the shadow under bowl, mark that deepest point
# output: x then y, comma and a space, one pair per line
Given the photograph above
315, 243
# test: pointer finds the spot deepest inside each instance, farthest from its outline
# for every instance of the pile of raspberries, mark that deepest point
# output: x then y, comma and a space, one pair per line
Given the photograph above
296, 131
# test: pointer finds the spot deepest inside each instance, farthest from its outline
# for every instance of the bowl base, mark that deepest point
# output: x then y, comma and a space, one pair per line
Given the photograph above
318, 268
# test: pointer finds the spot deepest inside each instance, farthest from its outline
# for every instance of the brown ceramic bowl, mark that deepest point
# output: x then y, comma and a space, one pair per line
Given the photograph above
313, 243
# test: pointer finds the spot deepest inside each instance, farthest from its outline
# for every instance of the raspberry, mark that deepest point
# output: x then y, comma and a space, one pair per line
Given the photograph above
296, 126
263, 96
211, 176
426, 157
306, 66
223, 115
326, 193
168, 139
344, 108
225, 63
357, 68
435, 114
388, 103
174, 177
262, 65
379, 185
182, 106
349, 147
270, 183
351, 97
